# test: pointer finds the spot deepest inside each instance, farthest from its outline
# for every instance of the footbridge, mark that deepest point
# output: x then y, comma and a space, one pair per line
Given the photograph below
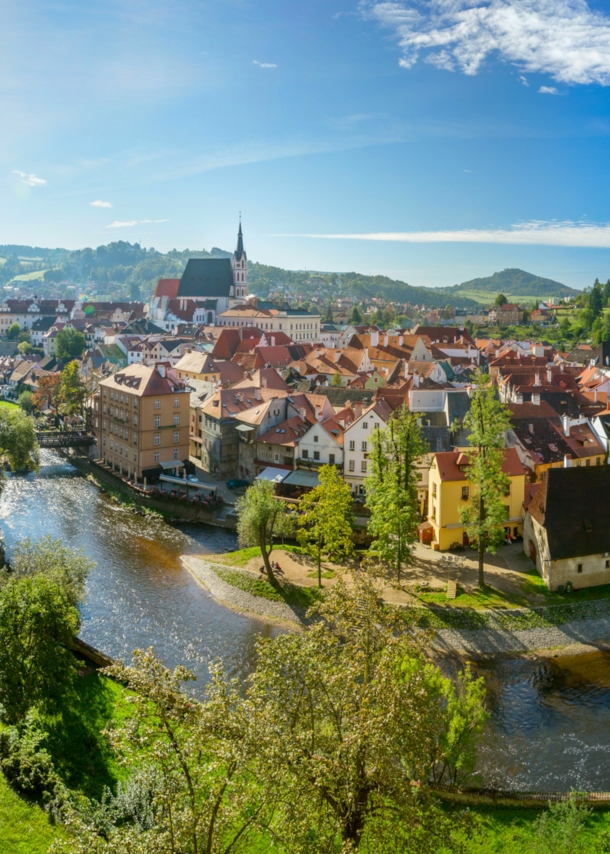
64, 439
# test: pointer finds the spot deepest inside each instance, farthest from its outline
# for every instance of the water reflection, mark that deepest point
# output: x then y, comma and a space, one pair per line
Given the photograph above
550, 723
139, 595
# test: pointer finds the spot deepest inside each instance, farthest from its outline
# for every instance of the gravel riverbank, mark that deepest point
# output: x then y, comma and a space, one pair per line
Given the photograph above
238, 599
582, 623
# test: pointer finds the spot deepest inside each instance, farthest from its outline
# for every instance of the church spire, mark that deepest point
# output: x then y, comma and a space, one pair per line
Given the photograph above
239, 251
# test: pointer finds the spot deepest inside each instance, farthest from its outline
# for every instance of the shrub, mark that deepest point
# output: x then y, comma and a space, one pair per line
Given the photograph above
27, 765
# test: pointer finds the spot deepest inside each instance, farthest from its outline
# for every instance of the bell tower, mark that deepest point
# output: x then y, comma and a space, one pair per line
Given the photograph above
240, 268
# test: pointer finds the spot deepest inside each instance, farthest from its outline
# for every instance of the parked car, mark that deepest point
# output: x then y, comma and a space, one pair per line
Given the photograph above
236, 483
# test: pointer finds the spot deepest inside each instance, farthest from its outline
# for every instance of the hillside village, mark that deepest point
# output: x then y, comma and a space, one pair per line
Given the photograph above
207, 380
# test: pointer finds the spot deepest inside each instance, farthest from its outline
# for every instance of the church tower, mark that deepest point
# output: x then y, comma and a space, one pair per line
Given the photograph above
240, 269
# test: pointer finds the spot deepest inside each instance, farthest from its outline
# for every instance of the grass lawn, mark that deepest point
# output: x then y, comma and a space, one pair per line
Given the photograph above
504, 830
24, 827
8, 405
490, 597
291, 594
29, 277
242, 556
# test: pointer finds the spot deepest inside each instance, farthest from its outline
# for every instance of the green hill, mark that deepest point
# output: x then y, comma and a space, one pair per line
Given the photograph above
513, 283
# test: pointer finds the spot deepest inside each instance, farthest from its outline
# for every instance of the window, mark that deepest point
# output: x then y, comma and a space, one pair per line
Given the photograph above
434, 490
364, 446
157, 420
157, 456
465, 493
135, 402
363, 466
126, 433
351, 465
135, 438
175, 453
365, 425
608, 564
331, 459
315, 438
316, 456
157, 404
157, 438
135, 456
135, 420
176, 437
352, 446
305, 454
176, 403
579, 568
176, 420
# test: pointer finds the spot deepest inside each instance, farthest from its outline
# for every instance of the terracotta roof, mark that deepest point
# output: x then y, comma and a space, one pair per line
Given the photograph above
286, 433
448, 464
141, 380
167, 288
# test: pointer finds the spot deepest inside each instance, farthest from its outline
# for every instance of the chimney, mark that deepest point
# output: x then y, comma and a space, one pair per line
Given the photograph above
257, 394
264, 382
302, 413
549, 375
319, 415
385, 340
358, 408
567, 461
535, 399
416, 380
536, 378
374, 339
401, 340
566, 424
161, 369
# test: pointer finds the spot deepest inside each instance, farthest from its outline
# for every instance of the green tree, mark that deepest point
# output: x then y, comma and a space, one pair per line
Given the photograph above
596, 299
325, 523
484, 517
18, 445
12, 333
500, 300
24, 348
26, 402
261, 518
69, 343
336, 380
72, 390
37, 624
203, 794
328, 314
391, 488
48, 556
356, 315
560, 829
349, 720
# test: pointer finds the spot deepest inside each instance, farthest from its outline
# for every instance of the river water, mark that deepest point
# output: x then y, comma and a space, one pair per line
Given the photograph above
549, 726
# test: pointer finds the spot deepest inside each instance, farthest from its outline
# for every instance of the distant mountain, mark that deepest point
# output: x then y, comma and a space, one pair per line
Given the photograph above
513, 283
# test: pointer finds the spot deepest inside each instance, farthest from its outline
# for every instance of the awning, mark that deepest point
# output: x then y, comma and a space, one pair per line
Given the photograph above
300, 477
274, 475
245, 428
172, 464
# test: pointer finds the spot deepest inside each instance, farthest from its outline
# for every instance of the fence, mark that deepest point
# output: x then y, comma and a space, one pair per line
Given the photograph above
503, 797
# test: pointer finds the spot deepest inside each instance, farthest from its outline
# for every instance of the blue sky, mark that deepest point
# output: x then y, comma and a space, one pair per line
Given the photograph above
430, 141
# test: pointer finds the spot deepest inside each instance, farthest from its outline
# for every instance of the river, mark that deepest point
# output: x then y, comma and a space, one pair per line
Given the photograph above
549, 726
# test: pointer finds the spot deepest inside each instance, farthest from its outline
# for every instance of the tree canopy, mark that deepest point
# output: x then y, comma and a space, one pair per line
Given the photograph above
69, 343
18, 445
261, 518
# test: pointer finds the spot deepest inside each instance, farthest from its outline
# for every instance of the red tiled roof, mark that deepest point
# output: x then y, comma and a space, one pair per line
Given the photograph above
448, 463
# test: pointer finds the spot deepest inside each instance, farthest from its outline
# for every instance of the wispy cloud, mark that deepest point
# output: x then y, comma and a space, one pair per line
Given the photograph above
536, 233
563, 38
100, 204
524, 80
548, 90
30, 179
131, 222
264, 64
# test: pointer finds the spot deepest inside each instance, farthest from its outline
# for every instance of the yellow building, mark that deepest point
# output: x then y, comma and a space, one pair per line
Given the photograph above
141, 421
195, 365
449, 490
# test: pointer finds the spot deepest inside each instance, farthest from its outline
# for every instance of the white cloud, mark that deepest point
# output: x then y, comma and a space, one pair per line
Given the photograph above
548, 90
100, 204
467, 170
30, 179
536, 233
524, 80
131, 222
563, 38
264, 64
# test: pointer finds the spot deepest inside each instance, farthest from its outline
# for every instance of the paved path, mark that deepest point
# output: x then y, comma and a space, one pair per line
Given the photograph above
240, 600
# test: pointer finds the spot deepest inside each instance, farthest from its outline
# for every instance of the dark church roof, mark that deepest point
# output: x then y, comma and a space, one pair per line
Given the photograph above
207, 277
573, 505
240, 252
